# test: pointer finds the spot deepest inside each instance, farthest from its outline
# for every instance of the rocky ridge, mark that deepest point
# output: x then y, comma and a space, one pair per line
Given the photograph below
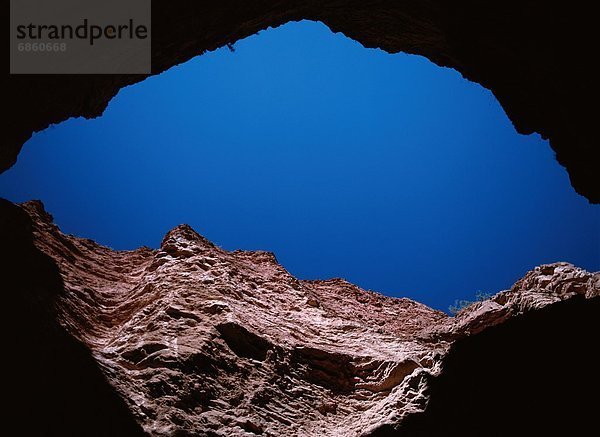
197, 340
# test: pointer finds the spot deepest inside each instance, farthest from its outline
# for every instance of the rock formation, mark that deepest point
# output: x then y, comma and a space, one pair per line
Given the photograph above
535, 56
190, 339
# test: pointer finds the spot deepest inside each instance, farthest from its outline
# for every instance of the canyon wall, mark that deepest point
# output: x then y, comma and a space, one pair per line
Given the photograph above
190, 339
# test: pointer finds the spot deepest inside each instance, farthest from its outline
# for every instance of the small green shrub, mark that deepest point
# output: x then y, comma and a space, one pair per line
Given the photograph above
461, 304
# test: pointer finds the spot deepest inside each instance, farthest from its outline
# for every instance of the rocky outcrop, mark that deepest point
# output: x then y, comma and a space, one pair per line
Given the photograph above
535, 56
196, 340
53, 385
528, 376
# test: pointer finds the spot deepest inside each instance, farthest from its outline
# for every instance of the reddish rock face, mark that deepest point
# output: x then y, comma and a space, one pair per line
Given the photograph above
197, 340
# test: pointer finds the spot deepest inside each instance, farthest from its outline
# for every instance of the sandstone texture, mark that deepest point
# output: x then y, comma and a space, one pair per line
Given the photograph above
195, 340
535, 56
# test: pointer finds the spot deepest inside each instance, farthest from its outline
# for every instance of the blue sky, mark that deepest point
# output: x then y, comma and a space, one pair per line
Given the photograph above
387, 170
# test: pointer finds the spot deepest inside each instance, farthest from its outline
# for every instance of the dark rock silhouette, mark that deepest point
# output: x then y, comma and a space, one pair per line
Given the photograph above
55, 386
535, 56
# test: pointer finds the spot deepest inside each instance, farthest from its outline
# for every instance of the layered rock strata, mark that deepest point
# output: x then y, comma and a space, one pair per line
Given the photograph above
190, 339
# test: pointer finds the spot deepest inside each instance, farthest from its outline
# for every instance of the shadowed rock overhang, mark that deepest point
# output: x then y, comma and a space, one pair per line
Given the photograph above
535, 56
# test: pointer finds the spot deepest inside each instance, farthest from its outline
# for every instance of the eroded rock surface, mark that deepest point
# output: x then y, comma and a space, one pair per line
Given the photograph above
201, 341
